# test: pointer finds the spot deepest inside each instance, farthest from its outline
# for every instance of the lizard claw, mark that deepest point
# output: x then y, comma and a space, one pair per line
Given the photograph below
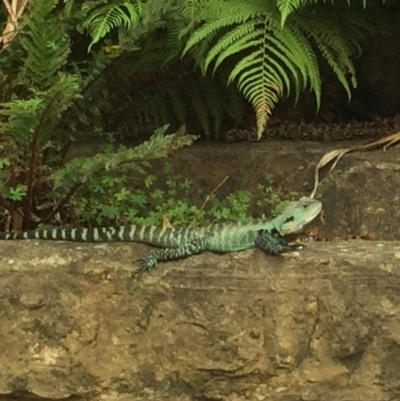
297, 246
146, 265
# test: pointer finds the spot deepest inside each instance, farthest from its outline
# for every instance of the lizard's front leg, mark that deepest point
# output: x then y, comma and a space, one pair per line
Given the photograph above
195, 246
274, 244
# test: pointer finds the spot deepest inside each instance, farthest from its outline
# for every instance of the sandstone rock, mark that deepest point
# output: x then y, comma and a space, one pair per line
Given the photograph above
320, 324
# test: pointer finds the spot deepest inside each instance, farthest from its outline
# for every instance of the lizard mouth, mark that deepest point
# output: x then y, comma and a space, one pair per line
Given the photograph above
299, 214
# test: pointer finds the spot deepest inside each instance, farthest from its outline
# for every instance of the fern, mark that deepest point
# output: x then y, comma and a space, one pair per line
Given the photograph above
287, 7
274, 47
45, 43
336, 49
77, 171
29, 120
19, 119
103, 19
48, 92
269, 49
263, 74
148, 107
22, 117
237, 12
201, 102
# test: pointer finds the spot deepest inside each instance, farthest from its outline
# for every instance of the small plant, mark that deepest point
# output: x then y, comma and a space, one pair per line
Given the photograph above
270, 199
48, 92
233, 207
111, 200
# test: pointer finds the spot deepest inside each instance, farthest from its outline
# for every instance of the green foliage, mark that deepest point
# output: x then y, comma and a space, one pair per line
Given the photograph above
16, 194
108, 16
110, 199
259, 50
175, 95
34, 143
109, 161
164, 90
267, 49
35, 117
269, 197
45, 91
45, 43
96, 187
274, 47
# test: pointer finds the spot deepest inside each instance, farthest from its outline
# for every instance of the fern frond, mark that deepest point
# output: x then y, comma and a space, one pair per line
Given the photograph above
271, 60
235, 13
158, 146
275, 53
45, 42
238, 39
259, 82
354, 25
301, 48
268, 64
19, 119
109, 16
287, 7
64, 91
281, 80
333, 48
191, 9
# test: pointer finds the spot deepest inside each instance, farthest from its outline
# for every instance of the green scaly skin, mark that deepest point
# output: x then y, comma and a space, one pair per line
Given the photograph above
180, 242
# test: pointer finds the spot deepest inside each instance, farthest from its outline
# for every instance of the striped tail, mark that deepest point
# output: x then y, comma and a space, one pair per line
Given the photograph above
73, 234
164, 237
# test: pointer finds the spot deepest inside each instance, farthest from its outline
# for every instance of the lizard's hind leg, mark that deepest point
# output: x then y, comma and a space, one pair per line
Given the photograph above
192, 247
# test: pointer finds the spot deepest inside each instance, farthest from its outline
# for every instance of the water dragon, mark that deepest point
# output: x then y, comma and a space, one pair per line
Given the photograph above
180, 242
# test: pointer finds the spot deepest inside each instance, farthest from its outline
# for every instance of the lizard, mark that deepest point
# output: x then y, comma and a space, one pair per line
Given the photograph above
180, 242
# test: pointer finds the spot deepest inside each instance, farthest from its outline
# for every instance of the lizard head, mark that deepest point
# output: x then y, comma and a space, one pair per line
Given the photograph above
296, 215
